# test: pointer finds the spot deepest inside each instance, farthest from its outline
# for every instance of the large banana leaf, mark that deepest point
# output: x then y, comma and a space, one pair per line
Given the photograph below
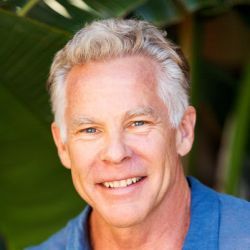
160, 12
76, 19
235, 139
76, 12
114, 8
36, 193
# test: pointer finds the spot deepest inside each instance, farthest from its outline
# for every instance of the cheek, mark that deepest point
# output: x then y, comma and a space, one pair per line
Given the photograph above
82, 154
82, 161
83, 158
152, 146
159, 153
82, 186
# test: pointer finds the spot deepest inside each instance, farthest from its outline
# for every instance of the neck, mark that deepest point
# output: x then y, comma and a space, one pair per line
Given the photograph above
165, 228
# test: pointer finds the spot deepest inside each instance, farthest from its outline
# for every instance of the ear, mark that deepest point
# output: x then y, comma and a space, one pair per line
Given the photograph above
61, 146
185, 132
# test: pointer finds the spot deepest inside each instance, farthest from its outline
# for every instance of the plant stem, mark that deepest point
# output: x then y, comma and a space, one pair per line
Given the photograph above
237, 145
27, 7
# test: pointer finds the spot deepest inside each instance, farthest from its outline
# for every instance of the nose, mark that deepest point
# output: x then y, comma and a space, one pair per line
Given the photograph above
115, 150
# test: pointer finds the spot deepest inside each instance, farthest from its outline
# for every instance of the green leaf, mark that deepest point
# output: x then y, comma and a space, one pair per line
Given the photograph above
235, 139
77, 14
195, 5
37, 196
25, 56
223, 6
114, 8
78, 17
160, 12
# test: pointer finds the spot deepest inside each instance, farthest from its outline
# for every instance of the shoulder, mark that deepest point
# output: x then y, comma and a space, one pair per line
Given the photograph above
230, 205
234, 222
228, 216
55, 242
74, 234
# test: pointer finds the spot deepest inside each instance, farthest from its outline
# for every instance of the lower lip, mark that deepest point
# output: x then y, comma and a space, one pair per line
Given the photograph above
124, 190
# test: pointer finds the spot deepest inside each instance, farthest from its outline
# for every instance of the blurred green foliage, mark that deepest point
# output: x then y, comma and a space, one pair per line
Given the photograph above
37, 196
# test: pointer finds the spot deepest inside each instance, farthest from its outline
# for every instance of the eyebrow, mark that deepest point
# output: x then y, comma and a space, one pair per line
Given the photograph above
141, 111
81, 120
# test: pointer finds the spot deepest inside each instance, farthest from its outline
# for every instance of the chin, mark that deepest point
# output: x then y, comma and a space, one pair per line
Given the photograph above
121, 222
124, 217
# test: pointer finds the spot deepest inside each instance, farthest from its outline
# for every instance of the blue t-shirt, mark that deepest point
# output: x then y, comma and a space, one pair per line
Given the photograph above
218, 221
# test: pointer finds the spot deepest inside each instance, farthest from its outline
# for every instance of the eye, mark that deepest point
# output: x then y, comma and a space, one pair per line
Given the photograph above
89, 130
139, 126
88, 133
138, 123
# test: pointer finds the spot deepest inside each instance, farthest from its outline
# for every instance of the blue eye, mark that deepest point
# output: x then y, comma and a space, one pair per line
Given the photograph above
90, 130
138, 123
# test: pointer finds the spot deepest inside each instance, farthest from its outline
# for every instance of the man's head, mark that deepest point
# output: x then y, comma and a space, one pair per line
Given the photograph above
120, 90
112, 38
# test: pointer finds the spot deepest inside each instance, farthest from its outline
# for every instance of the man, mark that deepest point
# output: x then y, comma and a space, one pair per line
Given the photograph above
122, 124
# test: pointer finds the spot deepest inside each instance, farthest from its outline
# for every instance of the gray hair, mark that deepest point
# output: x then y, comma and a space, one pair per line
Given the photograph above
107, 39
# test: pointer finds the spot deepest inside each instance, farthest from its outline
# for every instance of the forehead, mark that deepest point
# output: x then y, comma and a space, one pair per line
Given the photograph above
129, 68
112, 87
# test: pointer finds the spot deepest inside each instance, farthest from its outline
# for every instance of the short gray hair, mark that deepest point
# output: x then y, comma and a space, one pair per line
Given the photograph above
112, 38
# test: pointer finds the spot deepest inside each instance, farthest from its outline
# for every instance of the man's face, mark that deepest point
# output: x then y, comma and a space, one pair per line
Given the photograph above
121, 148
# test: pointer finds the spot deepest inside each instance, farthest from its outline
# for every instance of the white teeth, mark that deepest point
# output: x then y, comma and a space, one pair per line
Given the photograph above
116, 184
122, 183
106, 184
129, 181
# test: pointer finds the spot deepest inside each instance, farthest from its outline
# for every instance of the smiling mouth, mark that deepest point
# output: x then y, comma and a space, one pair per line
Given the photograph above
121, 183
